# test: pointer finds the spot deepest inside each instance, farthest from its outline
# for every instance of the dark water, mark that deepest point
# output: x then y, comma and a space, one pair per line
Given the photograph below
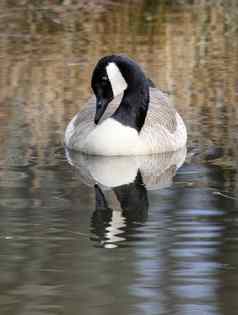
152, 236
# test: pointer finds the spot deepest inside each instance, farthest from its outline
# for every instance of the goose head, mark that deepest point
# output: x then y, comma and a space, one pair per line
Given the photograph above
119, 75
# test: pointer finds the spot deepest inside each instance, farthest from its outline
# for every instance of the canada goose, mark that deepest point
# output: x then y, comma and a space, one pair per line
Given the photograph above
139, 119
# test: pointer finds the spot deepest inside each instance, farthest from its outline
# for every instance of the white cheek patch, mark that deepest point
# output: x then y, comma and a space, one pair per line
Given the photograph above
117, 81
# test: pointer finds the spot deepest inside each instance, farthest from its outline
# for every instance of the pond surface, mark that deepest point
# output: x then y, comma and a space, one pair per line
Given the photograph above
154, 235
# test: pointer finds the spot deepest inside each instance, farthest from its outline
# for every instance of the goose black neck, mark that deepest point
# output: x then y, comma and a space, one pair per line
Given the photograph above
134, 105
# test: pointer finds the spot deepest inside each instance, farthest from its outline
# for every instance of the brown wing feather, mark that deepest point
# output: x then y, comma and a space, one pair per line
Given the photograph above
161, 112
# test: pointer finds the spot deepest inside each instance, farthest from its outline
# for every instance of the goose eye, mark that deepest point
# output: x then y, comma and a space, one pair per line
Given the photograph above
104, 79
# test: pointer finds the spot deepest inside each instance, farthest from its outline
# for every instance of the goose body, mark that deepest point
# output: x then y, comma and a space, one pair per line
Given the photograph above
135, 118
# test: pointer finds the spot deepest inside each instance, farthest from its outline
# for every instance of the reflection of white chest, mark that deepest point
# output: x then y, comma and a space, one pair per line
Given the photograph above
112, 138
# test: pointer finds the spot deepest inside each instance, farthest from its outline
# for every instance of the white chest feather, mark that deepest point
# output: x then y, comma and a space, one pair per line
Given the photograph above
112, 138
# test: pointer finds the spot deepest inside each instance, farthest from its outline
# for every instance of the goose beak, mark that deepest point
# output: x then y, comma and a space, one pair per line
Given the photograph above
101, 105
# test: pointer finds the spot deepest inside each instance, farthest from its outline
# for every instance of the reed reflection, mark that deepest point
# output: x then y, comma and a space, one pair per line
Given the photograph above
121, 185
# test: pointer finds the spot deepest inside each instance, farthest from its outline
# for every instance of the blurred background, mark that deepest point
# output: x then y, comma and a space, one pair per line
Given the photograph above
48, 50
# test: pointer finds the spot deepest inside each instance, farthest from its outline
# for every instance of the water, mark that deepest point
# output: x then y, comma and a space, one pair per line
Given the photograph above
152, 236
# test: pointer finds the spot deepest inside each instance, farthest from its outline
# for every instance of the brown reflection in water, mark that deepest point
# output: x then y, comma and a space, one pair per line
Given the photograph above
47, 54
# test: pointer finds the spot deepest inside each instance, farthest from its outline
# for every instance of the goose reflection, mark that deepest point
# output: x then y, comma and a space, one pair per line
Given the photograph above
121, 187
111, 225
